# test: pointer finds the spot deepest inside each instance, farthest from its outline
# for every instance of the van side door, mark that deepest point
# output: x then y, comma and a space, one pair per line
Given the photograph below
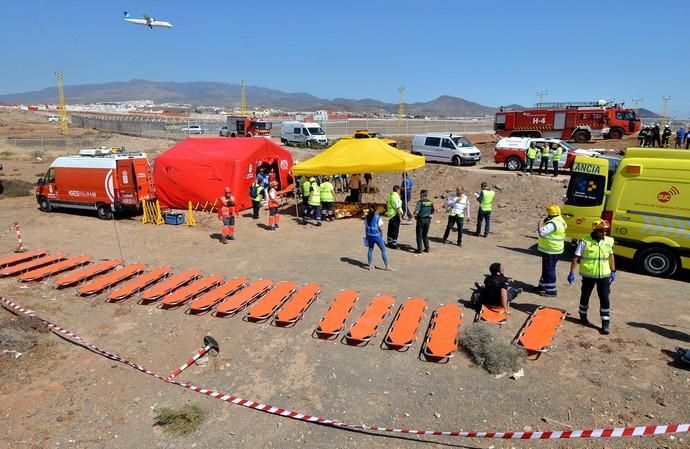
448, 150
431, 148
49, 187
143, 179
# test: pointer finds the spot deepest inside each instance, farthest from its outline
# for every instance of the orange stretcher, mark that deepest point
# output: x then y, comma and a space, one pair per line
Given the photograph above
54, 268
86, 273
403, 330
136, 285
238, 301
265, 307
31, 264
184, 294
21, 257
106, 282
539, 331
205, 302
494, 315
173, 282
293, 310
333, 321
443, 336
365, 327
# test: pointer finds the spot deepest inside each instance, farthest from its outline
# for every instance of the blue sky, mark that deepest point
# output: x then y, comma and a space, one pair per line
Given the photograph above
492, 52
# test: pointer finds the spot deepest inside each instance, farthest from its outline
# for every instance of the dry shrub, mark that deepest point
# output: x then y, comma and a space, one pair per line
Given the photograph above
15, 188
483, 343
179, 422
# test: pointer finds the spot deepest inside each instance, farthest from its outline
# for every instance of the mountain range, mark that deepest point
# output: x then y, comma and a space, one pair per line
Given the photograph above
202, 93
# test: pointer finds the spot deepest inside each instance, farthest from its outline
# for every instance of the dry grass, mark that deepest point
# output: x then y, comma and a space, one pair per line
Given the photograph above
15, 188
484, 344
186, 420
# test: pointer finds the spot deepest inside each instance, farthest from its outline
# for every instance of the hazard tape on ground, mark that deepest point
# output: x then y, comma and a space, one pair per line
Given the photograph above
544, 435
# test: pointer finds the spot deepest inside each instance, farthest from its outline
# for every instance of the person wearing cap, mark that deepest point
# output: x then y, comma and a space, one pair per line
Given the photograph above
550, 244
227, 213
594, 253
423, 212
314, 201
273, 203
394, 214
327, 199
485, 199
256, 193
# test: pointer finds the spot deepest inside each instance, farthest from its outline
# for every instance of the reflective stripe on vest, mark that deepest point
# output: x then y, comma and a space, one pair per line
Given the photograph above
327, 192
315, 195
373, 226
487, 199
554, 242
459, 206
594, 261
392, 204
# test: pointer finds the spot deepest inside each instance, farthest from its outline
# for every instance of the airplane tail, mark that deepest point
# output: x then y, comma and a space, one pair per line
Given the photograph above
126, 14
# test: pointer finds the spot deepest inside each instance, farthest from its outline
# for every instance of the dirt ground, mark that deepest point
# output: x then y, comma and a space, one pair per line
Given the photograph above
60, 395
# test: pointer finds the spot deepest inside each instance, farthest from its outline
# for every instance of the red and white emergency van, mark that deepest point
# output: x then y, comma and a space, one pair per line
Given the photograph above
106, 180
512, 152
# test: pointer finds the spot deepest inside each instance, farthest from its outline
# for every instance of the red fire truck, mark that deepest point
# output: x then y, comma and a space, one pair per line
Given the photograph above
568, 121
246, 127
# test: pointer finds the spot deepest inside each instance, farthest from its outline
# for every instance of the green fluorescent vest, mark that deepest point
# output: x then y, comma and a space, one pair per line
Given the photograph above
594, 262
554, 242
487, 199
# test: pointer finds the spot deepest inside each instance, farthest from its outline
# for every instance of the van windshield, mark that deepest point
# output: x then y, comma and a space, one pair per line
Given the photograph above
585, 190
316, 131
461, 142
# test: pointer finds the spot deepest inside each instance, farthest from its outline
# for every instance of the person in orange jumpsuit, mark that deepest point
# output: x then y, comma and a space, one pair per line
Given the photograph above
227, 213
273, 203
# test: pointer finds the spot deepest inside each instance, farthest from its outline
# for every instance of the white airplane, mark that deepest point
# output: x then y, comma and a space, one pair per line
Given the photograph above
148, 21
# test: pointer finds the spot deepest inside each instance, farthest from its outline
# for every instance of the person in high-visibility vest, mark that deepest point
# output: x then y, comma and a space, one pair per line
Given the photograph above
315, 201
306, 186
485, 199
594, 253
227, 214
327, 199
394, 213
545, 158
273, 203
458, 207
530, 156
550, 244
256, 193
557, 152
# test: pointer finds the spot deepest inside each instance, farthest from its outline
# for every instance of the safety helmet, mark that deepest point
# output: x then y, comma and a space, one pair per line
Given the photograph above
666, 126
484, 185
312, 179
227, 189
274, 183
600, 224
553, 210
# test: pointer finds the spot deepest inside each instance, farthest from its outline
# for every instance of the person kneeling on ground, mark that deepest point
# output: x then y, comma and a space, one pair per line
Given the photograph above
496, 291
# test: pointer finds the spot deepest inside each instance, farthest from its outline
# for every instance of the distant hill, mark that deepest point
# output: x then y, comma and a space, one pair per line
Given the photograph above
646, 113
202, 93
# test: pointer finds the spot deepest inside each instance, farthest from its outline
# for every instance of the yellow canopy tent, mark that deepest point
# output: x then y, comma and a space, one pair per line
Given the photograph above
348, 156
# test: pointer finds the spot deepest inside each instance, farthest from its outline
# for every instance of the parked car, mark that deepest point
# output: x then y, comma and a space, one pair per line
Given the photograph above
223, 131
366, 134
53, 118
446, 147
193, 129
511, 151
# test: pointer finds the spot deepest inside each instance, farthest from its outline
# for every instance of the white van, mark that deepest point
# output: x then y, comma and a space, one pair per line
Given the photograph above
446, 147
303, 133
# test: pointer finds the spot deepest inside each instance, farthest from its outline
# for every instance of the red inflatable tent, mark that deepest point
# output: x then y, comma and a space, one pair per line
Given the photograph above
198, 170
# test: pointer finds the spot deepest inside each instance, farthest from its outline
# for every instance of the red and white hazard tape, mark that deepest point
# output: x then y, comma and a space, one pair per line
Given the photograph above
545, 435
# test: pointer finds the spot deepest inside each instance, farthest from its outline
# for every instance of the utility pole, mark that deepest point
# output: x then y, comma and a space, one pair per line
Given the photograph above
401, 106
243, 105
541, 94
62, 109
667, 102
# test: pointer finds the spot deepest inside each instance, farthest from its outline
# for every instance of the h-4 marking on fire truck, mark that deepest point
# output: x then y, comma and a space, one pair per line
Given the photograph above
539, 120
667, 195
587, 168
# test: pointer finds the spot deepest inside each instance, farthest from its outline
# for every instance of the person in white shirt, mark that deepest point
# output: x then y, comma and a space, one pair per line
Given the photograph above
458, 207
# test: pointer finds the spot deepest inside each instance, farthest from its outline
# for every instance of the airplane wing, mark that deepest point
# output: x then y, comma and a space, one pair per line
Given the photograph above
137, 21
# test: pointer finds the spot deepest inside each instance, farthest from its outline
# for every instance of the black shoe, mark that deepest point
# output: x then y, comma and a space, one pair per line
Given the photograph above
605, 327
583, 320
275, 226
318, 223
232, 237
426, 250
486, 235
460, 244
223, 241
418, 251
548, 295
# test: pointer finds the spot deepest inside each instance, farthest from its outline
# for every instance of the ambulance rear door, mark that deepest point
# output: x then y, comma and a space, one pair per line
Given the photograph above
143, 179
585, 199
125, 185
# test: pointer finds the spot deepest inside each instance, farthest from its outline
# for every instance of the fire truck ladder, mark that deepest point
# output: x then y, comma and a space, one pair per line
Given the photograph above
572, 104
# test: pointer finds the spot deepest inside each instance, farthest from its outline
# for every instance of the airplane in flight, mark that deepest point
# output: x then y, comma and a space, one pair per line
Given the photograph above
148, 21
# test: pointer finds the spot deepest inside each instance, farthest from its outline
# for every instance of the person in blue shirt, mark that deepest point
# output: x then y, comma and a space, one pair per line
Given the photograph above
680, 137
407, 196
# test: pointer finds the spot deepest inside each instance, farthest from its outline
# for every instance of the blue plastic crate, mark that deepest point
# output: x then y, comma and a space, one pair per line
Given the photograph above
173, 219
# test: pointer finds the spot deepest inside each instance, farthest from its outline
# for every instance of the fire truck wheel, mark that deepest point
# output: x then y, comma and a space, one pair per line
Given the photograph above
104, 212
249, 134
45, 205
657, 261
455, 161
513, 164
232, 135
581, 137
615, 134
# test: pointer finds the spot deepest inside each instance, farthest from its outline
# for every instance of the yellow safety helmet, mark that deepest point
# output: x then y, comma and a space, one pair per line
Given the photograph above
312, 179
553, 210
600, 224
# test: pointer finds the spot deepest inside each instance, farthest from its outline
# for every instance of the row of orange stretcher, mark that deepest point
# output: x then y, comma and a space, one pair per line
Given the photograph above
262, 300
